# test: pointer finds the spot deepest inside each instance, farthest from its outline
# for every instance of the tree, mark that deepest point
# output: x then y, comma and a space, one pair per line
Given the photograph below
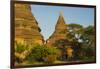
75, 31
89, 41
83, 39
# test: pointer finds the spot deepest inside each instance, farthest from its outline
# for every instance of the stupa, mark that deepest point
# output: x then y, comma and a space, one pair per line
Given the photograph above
60, 31
27, 30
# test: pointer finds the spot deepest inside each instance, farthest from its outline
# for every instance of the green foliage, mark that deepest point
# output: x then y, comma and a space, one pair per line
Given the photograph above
40, 53
20, 47
37, 53
89, 30
21, 52
89, 40
74, 32
74, 26
85, 48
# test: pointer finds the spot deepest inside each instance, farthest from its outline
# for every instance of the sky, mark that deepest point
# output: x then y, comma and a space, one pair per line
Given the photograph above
47, 17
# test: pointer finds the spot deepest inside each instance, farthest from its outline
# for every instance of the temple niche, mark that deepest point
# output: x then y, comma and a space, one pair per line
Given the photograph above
27, 30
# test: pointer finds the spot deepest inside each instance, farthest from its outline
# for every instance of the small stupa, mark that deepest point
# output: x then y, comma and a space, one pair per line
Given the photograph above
60, 31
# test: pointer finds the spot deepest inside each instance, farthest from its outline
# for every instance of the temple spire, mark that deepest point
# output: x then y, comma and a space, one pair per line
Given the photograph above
60, 21
61, 13
60, 31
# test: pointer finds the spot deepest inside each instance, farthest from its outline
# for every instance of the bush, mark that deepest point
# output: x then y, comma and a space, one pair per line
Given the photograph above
20, 47
37, 53
43, 53
21, 52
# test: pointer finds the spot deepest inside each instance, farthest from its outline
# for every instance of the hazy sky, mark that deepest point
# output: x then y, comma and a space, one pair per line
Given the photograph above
47, 17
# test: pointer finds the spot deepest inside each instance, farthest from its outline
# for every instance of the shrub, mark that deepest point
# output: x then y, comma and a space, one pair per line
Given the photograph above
20, 47
21, 52
43, 53
37, 53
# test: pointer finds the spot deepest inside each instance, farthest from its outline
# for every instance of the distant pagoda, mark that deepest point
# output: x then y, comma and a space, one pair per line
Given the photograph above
60, 31
26, 26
